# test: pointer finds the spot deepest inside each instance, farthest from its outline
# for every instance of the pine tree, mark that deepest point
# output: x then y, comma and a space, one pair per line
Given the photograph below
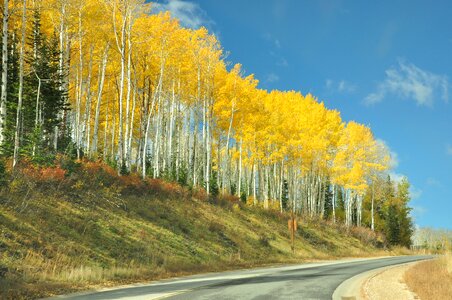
43, 97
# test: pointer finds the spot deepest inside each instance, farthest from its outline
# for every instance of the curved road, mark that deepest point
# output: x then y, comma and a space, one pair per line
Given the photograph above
306, 281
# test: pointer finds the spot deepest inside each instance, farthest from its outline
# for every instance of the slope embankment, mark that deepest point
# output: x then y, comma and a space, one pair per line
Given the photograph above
65, 231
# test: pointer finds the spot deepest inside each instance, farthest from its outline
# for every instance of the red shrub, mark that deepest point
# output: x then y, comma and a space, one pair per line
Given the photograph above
154, 185
98, 172
201, 194
230, 198
52, 174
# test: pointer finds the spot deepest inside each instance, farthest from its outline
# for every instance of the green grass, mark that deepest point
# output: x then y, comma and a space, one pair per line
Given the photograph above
86, 231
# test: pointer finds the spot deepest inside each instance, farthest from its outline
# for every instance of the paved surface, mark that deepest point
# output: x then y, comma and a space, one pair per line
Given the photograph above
306, 281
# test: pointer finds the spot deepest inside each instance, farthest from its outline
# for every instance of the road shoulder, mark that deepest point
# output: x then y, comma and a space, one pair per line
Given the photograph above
381, 283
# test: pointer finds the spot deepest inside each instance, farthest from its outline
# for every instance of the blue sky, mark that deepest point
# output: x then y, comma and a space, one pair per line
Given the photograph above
387, 64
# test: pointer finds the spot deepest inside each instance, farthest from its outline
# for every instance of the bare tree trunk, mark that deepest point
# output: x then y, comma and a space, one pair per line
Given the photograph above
226, 152
372, 225
4, 82
254, 183
171, 128
148, 125
281, 191
105, 150
131, 127
239, 183
21, 85
121, 45
60, 70
87, 115
129, 88
99, 101
78, 127
334, 203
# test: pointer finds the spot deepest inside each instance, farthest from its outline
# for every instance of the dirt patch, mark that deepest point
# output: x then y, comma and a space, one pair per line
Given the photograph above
388, 284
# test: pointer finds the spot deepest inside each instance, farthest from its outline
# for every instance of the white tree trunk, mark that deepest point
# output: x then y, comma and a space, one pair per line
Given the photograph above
21, 85
99, 101
4, 82
334, 203
372, 225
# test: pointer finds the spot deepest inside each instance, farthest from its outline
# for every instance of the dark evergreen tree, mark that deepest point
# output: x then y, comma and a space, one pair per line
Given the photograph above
285, 194
392, 226
328, 201
405, 221
12, 94
43, 96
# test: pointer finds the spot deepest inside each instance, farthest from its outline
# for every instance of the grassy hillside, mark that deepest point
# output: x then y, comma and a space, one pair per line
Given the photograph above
63, 231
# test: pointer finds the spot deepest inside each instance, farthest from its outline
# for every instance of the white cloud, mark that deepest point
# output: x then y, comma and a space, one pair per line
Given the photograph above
279, 60
396, 177
190, 14
415, 193
270, 38
449, 150
418, 211
341, 86
394, 157
408, 81
433, 182
272, 77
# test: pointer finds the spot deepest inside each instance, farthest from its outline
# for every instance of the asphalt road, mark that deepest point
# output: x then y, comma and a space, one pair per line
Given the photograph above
306, 281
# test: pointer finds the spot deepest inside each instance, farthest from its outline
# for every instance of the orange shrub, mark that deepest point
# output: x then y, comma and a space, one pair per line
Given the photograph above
52, 174
155, 185
200, 193
230, 198
43, 174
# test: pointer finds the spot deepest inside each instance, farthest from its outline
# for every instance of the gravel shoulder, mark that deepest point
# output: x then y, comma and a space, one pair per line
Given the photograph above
377, 284
388, 284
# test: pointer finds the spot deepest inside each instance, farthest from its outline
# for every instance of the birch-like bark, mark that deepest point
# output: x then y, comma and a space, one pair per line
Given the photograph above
129, 88
21, 85
239, 182
372, 225
78, 127
60, 70
226, 153
4, 82
121, 45
99, 101
131, 128
87, 115
334, 203
105, 150
148, 125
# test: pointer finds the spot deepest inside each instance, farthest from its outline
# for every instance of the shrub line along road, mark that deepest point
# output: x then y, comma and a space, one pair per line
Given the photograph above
305, 281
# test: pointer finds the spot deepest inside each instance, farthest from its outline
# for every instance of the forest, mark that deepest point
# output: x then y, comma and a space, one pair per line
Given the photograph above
113, 81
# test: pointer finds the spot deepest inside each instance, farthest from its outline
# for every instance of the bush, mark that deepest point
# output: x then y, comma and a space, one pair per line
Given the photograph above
68, 164
264, 241
215, 227
367, 236
243, 197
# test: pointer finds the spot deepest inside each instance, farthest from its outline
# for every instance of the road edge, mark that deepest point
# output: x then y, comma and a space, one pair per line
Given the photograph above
351, 289
200, 275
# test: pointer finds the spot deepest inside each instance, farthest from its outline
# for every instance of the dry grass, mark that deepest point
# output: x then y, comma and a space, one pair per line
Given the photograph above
94, 228
431, 280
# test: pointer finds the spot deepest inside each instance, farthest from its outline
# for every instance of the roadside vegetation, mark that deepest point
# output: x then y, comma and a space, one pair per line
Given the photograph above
62, 231
136, 151
125, 83
432, 279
